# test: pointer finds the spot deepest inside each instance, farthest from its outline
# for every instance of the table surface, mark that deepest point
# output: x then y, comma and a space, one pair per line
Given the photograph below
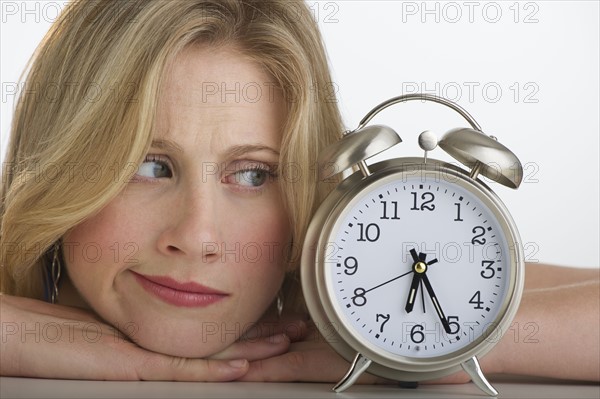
43, 388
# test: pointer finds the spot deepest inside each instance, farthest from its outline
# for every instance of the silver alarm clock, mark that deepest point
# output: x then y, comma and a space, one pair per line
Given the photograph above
413, 263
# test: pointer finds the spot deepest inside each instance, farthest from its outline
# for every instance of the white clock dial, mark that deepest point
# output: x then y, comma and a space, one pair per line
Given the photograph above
419, 266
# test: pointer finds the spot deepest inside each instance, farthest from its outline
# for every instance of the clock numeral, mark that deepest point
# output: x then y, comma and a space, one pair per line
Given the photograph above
416, 334
395, 210
385, 317
476, 299
458, 218
369, 233
489, 271
479, 231
351, 265
427, 198
359, 298
453, 323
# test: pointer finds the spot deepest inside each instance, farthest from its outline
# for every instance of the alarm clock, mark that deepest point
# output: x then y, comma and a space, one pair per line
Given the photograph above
413, 267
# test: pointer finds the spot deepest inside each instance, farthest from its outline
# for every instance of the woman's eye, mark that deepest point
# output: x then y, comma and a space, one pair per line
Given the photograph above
154, 169
251, 177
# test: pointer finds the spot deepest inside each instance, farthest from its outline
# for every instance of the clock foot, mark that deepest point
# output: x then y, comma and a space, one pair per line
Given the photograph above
408, 384
358, 366
472, 368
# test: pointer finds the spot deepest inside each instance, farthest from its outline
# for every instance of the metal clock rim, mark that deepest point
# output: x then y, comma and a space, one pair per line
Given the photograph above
345, 342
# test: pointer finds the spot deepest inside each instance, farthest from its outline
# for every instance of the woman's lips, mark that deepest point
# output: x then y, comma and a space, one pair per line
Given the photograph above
188, 294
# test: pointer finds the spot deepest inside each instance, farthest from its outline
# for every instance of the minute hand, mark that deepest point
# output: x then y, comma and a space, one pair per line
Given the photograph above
436, 304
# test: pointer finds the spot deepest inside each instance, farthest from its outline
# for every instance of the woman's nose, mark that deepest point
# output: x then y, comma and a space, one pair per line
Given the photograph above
193, 230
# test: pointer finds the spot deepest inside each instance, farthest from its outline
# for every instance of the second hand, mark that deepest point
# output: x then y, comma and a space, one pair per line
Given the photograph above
389, 281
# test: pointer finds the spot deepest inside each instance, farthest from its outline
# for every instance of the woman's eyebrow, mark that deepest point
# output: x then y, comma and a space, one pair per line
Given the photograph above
237, 151
166, 145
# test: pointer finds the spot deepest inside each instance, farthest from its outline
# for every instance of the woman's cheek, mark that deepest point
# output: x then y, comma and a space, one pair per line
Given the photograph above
98, 249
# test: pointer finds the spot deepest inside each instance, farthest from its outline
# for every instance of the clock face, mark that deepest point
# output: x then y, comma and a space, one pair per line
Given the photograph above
419, 266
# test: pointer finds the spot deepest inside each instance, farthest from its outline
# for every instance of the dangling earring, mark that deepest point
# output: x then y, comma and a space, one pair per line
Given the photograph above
55, 274
279, 304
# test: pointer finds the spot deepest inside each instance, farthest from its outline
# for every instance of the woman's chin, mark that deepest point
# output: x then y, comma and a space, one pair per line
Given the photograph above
189, 345
187, 349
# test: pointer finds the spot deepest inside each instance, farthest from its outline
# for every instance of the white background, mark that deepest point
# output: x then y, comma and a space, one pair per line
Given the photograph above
527, 71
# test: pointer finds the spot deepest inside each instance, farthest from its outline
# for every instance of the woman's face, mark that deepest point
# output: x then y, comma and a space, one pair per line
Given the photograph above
193, 251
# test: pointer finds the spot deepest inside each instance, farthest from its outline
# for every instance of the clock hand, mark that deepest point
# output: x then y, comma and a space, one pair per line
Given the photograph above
412, 292
419, 267
436, 304
431, 262
389, 281
418, 258
414, 285
422, 295
414, 255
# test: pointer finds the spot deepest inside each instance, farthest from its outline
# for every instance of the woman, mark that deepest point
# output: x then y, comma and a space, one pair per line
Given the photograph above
158, 193
165, 183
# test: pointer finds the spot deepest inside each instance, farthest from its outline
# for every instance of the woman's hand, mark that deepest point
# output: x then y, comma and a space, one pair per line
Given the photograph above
39, 339
312, 360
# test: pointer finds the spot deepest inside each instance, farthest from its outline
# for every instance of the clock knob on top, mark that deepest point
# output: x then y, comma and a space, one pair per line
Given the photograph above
484, 155
354, 148
427, 141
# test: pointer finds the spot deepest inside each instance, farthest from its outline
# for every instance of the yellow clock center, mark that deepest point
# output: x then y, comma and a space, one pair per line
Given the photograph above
420, 267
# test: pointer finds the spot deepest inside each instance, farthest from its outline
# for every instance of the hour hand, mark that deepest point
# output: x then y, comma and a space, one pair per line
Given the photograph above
412, 292
414, 286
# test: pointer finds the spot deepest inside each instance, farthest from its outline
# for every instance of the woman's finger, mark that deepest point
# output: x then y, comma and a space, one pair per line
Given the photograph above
167, 368
255, 349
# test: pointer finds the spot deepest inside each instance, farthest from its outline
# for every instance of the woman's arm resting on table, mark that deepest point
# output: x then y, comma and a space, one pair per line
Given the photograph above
42, 340
555, 334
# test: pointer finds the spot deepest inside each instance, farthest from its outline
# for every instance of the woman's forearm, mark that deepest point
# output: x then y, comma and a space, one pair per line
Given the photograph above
556, 332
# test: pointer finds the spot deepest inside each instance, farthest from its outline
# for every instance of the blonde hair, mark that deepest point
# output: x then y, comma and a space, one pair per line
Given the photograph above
84, 120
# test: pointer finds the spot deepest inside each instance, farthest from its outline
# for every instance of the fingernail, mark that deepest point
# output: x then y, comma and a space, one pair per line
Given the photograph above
238, 364
277, 339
